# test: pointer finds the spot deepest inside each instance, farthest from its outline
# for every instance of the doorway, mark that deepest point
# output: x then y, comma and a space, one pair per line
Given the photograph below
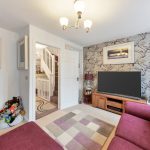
46, 89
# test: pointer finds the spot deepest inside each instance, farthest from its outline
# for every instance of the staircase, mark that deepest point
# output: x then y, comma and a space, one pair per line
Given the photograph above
45, 75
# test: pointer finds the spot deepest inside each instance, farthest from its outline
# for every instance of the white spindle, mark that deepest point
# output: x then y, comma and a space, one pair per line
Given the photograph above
43, 88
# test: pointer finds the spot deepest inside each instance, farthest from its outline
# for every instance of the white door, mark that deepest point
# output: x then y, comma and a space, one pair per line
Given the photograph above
69, 78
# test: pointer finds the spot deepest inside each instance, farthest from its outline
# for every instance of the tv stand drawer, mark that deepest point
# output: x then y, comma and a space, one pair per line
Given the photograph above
101, 102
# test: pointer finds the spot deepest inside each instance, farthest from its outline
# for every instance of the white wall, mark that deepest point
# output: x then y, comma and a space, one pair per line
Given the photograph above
27, 78
15, 82
24, 79
9, 83
39, 35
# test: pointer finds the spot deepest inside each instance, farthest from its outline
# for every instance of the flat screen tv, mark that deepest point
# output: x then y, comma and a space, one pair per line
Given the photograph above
120, 83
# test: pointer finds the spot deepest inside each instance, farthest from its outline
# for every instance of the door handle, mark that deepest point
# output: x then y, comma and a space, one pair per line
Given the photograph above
77, 78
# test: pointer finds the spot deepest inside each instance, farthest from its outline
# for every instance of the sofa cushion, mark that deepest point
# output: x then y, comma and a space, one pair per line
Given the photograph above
138, 110
28, 137
135, 130
121, 144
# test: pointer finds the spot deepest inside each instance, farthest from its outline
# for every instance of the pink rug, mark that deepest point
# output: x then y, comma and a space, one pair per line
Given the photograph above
80, 131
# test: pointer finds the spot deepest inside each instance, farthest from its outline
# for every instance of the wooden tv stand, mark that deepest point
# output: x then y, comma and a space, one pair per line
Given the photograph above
111, 103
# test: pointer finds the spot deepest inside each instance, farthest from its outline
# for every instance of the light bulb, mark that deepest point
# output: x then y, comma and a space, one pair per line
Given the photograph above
87, 25
64, 21
79, 6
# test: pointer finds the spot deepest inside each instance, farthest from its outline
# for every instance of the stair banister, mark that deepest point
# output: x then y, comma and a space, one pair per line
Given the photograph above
46, 87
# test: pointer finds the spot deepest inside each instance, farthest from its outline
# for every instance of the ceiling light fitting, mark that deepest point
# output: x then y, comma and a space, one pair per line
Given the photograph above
79, 7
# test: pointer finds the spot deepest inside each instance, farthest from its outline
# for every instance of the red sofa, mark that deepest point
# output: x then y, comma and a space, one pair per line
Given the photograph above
133, 130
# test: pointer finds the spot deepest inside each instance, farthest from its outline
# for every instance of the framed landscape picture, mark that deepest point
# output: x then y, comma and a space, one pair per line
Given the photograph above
23, 54
119, 54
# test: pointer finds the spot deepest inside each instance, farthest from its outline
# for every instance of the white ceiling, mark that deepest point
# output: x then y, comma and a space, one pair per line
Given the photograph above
111, 18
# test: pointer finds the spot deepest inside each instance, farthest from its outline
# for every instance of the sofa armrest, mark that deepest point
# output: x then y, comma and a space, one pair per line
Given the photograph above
138, 110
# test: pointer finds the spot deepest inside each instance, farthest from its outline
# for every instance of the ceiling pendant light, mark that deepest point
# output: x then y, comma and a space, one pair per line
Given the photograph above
64, 22
87, 25
79, 7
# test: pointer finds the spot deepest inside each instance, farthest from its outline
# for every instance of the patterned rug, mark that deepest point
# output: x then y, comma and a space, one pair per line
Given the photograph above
44, 107
79, 131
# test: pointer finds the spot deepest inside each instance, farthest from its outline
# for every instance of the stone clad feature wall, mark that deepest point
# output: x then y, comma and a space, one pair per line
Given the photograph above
93, 59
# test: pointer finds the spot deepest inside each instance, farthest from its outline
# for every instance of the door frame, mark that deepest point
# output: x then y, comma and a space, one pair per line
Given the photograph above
32, 81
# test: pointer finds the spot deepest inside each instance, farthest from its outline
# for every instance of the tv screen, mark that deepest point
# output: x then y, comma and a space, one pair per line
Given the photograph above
120, 83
